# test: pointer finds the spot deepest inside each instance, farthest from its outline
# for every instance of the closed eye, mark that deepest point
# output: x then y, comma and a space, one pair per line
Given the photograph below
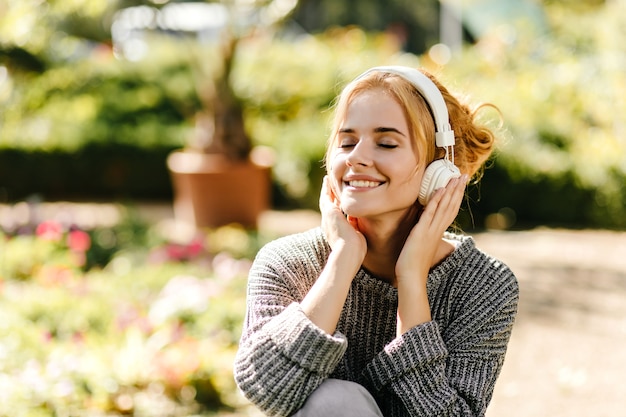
347, 139
391, 132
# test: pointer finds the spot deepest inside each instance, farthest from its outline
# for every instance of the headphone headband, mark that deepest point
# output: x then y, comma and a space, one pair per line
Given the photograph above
444, 135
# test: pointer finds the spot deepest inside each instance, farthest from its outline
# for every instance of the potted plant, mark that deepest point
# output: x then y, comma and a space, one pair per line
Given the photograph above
215, 179
219, 178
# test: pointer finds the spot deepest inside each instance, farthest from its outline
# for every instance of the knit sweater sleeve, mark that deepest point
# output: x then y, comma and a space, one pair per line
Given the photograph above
282, 355
452, 371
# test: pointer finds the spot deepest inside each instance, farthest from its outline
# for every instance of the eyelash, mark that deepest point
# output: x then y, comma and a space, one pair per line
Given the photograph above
382, 145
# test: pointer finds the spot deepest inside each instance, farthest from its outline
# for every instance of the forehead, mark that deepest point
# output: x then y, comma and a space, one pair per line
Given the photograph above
374, 106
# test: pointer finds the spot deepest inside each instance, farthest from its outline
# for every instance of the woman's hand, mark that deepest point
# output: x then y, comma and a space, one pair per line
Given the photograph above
340, 231
422, 243
324, 301
419, 252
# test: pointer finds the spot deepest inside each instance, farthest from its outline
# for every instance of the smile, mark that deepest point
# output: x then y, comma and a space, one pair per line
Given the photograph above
363, 184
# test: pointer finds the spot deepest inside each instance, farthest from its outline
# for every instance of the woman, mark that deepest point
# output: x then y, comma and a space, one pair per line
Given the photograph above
379, 311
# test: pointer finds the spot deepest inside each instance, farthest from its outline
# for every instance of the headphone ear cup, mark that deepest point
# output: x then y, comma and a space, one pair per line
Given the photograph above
437, 175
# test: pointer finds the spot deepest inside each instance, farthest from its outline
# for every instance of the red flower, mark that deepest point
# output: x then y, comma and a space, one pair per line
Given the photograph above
176, 252
50, 230
78, 241
195, 247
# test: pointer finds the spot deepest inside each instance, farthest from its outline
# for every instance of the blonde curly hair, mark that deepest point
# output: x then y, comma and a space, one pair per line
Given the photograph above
474, 142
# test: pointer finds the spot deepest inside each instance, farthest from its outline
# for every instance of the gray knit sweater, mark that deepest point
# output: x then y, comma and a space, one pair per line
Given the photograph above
446, 367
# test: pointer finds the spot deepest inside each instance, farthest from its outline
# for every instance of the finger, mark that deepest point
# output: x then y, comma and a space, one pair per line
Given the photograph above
323, 192
444, 204
433, 203
326, 197
331, 190
455, 189
450, 192
450, 201
454, 195
460, 184
331, 193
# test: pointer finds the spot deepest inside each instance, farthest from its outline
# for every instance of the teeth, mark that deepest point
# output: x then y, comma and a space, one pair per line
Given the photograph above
364, 184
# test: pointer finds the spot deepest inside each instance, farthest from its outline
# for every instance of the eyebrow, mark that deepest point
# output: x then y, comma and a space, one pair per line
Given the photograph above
376, 130
388, 129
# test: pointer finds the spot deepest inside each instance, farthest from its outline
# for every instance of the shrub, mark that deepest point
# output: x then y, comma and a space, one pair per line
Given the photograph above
150, 329
561, 161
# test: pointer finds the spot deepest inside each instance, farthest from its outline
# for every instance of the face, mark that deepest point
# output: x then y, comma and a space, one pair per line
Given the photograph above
374, 163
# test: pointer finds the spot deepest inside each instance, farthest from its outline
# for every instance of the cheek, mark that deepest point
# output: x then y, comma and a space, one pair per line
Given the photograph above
410, 180
410, 188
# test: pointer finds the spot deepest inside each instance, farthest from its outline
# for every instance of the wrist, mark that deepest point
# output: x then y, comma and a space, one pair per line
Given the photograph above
412, 277
345, 259
351, 250
411, 289
413, 305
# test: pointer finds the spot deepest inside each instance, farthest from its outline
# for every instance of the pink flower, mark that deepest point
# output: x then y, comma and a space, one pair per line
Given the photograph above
176, 252
78, 337
50, 230
47, 336
195, 247
78, 241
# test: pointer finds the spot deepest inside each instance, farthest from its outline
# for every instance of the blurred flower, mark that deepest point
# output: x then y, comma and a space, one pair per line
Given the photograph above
227, 267
78, 240
50, 230
33, 376
132, 316
176, 252
64, 388
177, 362
195, 247
78, 337
47, 336
179, 251
182, 294
55, 275
79, 258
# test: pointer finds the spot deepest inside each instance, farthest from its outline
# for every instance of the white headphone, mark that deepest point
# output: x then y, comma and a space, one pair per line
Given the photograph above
441, 171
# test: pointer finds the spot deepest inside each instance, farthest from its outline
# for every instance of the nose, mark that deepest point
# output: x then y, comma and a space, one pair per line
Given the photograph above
359, 155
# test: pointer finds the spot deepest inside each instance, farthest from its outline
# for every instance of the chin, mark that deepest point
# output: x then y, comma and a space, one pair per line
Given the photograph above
358, 212
351, 211
362, 212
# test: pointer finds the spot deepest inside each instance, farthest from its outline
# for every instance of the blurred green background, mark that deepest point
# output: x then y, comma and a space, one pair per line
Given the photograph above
107, 310
86, 116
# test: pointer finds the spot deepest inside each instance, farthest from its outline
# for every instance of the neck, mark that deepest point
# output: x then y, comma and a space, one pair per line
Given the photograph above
385, 240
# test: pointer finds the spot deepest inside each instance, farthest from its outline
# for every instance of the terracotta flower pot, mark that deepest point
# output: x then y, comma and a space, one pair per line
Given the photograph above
211, 190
